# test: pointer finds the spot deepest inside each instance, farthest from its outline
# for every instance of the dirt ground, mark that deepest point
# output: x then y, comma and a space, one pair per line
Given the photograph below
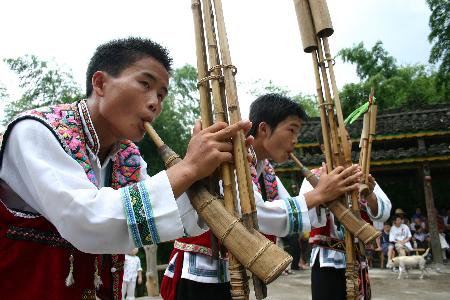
384, 286
435, 286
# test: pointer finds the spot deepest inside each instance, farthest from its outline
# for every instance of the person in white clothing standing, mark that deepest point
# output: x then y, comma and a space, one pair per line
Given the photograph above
132, 270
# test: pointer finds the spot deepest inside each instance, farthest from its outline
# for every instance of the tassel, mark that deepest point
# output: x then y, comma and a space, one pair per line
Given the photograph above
69, 280
97, 279
359, 111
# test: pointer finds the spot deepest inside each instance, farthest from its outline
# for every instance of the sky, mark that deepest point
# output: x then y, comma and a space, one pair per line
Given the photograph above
263, 35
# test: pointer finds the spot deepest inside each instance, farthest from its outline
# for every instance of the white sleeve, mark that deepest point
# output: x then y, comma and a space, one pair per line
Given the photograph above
317, 220
384, 206
282, 217
193, 225
94, 220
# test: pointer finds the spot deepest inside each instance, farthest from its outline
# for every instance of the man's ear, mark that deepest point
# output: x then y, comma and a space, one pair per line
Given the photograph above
263, 129
98, 83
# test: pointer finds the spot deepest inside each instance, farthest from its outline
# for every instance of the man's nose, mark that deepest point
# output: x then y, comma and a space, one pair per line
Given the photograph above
153, 102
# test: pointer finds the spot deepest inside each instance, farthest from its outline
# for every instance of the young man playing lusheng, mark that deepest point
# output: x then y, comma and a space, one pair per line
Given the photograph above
327, 261
276, 121
74, 187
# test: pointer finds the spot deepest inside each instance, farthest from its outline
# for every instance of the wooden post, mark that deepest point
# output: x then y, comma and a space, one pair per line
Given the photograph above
152, 283
431, 213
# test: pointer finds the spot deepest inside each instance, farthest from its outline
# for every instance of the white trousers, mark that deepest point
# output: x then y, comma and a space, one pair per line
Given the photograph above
128, 288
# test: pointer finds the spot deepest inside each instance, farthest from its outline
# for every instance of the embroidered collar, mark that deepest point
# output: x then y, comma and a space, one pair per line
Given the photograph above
92, 140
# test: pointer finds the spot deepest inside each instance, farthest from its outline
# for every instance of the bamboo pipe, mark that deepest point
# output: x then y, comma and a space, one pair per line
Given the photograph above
373, 123
307, 33
252, 249
245, 185
241, 164
366, 145
238, 276
334, 134
321, 17
202, 69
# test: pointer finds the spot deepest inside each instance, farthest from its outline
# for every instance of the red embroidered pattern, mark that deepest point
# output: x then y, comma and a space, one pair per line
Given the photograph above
192, 248
270, 180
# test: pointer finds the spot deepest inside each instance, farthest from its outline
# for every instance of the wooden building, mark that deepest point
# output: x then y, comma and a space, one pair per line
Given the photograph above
408, 146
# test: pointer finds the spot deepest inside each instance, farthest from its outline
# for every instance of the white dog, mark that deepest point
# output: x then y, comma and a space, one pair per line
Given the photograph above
402, 262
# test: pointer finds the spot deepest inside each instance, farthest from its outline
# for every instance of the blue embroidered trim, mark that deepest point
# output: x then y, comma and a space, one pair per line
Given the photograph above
327, 260
148, 212
217, 272
131, 220
294, 215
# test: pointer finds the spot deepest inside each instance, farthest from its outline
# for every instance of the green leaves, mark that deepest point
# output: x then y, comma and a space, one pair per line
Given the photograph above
440, 39
407, 87
42, 83
308, 102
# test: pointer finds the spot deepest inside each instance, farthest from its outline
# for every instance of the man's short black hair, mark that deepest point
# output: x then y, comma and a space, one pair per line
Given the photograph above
273, 109
117, 55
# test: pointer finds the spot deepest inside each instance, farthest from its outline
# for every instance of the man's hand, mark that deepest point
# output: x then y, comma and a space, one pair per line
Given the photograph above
207, 149
211, 147
371, 184
334, 184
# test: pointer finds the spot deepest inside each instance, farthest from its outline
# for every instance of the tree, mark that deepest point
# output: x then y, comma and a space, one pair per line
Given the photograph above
409, 87
377, 61
307, 102
43, 84
3, 92
440, 39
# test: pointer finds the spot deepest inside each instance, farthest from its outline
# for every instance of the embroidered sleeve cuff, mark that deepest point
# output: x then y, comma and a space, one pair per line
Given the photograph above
297, 214
151, 211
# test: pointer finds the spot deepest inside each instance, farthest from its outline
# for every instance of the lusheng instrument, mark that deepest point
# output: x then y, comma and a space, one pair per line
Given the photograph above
365, 144
351, 221
219, 103
252, 249
315, 28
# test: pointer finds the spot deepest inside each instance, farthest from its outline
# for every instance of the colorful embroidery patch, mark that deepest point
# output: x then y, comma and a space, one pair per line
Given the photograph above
139, 213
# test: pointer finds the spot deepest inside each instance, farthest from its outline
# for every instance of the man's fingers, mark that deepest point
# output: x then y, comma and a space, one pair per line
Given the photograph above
216, 127
349, 171
230, 131
225, 157
224, 146
337, 170
350, 188
323, 170
355, 178
197, 127
249, 141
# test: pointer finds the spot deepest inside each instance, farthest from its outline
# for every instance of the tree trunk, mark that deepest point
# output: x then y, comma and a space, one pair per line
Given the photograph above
431, 213
152, 271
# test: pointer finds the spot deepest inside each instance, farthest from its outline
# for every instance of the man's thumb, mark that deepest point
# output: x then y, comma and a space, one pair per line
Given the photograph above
197, 127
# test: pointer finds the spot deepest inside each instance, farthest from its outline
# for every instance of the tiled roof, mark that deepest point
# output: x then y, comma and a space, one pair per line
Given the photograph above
391, 123
380, 156
403, 126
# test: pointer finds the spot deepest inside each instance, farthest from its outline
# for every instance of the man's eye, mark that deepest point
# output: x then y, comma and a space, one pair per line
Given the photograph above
145, 84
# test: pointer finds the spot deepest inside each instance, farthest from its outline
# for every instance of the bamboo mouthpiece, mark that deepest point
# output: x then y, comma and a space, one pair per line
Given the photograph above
153, 135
